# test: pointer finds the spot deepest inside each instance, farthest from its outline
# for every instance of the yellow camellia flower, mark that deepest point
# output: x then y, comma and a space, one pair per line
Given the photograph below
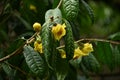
38, 47
87, 48
33, 8
77, 53
37, 26
63, 54
59, 31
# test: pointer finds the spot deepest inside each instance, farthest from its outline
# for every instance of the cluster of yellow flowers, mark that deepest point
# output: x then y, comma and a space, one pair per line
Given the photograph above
58, 32
37, 43
87, 48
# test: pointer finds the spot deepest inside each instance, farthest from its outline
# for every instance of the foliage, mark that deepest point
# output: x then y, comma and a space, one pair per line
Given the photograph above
73, 22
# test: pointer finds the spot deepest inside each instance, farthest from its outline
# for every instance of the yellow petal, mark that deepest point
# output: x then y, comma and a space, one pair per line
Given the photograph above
36, 44
77, 53
38, 47
58, 31
64, 25
87, 48
63, 54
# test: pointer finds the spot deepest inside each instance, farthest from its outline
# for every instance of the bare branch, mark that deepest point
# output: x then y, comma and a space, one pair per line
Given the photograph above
59, 4
92, 39
17, 51
101, 40
12, 54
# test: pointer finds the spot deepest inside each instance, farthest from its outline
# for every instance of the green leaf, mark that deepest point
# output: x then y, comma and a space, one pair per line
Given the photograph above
55, 53
76, 62
62, 69
8, 70
53, 16
25, 67
116, 56
83, 69
26, 35
104, 53
115, 36
91, 63
34, 61
69, 41
70, 8
46, 41
89, 10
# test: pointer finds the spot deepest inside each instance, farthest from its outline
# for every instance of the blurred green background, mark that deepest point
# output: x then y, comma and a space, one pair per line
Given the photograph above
18, 16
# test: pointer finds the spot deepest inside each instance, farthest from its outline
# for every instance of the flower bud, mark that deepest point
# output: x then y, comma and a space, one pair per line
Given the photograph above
37, 26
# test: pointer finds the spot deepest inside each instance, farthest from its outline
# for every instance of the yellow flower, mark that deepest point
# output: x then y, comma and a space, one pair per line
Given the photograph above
59, 31
38, 47
87, 48
32, 7
84, 51
63, 54
37, 26
77, 53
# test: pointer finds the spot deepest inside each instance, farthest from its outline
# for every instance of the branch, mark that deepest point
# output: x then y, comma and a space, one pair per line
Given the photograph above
101, 40
12, 54
59, 4
92, 39
17, 51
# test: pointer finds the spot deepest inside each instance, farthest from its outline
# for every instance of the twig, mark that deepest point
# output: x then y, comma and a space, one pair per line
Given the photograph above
17, 51
33, 36
59, 4
101, 40
92, 39
12, 54
60, 47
